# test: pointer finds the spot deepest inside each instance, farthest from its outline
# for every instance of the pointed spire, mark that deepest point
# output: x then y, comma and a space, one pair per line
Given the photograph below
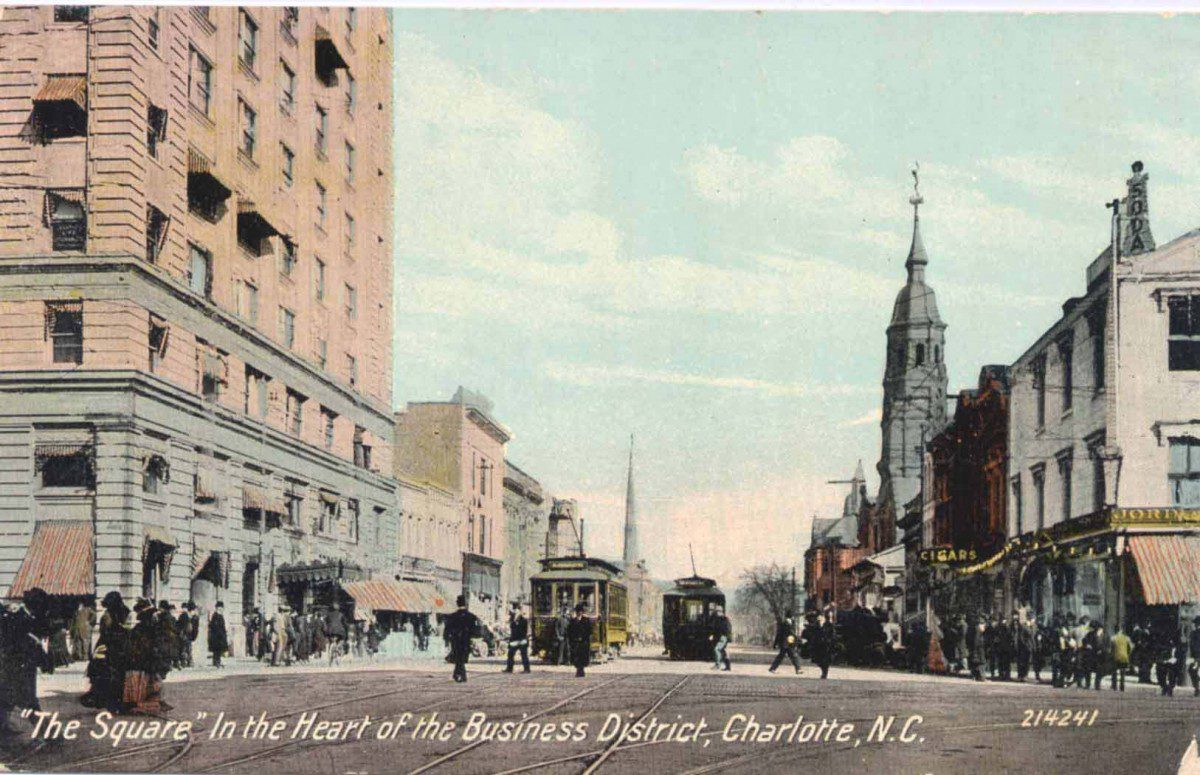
858, 472
631, 552
916, 252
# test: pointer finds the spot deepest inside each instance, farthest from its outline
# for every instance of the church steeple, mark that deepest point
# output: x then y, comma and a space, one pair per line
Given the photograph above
631, 553
917, 257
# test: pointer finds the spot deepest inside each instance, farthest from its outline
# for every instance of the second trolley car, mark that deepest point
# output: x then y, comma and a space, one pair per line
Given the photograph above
689, 610
565, 582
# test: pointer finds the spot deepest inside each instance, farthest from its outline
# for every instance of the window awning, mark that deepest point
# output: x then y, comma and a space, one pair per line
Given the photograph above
252, 221
329, 497
206, 487
276, 505
64, 88
1168, 567
253, 497
328, 56
158, 534
215, 367
202, 174
60, 560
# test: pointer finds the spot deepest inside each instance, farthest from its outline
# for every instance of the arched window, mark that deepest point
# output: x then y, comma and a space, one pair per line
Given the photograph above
937, 354
920, 355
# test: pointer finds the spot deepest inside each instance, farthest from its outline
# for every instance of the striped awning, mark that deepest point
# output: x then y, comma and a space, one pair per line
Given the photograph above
1168, 566
60, 560
64, 88
253, 497
388, 595
201, 172
159, 535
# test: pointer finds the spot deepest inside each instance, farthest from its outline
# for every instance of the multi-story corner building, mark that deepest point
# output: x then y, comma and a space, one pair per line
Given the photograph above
527, 530
1104, 440
458, 447
195, 301
834, 548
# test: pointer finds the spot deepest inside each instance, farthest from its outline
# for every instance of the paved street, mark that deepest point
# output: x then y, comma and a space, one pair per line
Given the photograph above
962, 726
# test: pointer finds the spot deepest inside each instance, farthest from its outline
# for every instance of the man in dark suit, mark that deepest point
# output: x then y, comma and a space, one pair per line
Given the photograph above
579, 634
518, 638
218, 637
785, 641
460, 626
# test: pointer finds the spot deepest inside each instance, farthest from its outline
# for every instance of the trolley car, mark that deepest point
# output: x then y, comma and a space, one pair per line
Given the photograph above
565, 582
688, 610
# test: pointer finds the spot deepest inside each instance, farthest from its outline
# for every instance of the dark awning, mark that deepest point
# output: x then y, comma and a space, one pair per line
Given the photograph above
328, 56
64, 88
202, 174
251, 220
60, 560
321, 570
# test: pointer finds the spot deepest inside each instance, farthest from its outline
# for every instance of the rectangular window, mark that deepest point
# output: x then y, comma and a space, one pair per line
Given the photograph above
287, 88
295, 412
321, 205
1038, 474
329, 513
156, 233
351, 235
249, 128
156, 129
1066, 356
350, 163
352, 508
351, 94
287, 257
321, 127
200, 271
352, 370
287, 327
328, 421
1096, 327
152, 29
248, 303
70, 13
214, 370
200, 82
247, 40
67, 218
288, 166
319, 279
362, 450
65, 465
1064, 477
1097, 478
1184, 471
157, 341
256, 401
1039, 388
351, 302
322, 352
351, 19
289, 22
1183, 342
156, 472
294, 504
64, 328
1015, 486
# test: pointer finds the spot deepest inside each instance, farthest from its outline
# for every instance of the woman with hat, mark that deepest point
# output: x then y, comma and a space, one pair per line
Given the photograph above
110, 659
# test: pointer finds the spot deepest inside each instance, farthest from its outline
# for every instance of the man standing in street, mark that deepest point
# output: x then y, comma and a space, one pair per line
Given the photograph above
820, 636
561, 625
218, 638
1121, 650
460, 626
785, 641
81, 632
183, 632
518, 638
723, 632
579, 633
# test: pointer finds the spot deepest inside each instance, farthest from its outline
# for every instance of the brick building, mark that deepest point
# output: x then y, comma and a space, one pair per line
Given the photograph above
195, 299
834, 548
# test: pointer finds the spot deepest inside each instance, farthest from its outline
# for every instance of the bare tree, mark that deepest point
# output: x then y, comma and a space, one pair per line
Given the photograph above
764, 596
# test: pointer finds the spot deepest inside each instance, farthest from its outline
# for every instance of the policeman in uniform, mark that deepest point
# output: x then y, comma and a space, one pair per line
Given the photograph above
518, 638
785, 641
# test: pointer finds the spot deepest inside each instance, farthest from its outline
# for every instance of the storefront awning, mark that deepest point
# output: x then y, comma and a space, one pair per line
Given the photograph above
385, 595
64, 88
253, 498
321, 570
1168, 566
60, 560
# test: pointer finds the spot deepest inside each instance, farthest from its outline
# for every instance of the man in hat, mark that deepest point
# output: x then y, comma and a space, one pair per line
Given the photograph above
785, 641
22, 654
280, 647
460, 626
518, 638
82, 624
579, 633
561, 625
218, 637
722, 633
168, 631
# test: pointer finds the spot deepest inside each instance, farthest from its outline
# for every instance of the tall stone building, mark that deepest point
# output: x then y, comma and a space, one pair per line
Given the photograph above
195, 300
527, 527
914, 390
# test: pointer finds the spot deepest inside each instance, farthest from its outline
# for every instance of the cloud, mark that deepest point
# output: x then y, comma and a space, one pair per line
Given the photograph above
591, 374
872, 417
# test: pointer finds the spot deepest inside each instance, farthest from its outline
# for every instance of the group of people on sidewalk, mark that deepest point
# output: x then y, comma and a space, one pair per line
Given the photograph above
1075, 652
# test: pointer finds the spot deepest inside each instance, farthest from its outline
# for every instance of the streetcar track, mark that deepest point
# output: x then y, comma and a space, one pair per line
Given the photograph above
608, 751
476, 744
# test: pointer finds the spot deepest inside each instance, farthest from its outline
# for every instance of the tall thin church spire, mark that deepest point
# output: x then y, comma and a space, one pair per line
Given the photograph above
917, 258
631, 554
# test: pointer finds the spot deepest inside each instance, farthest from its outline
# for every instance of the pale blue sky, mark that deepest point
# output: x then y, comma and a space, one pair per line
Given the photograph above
691, 227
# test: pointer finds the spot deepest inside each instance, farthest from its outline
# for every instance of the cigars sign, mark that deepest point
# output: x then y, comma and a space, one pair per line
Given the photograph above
947, 555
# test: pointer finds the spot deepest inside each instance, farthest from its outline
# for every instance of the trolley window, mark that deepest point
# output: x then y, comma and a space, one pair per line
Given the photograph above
693, 610
543, 599
565, 595
588, 598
